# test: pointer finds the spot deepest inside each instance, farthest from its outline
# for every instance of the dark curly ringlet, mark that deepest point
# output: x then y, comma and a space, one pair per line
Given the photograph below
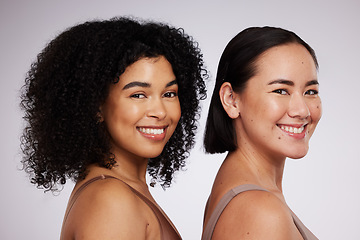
236, 66
70, 80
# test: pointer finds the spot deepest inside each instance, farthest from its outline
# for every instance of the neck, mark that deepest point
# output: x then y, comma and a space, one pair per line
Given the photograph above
264, 170
128, 167
132, 170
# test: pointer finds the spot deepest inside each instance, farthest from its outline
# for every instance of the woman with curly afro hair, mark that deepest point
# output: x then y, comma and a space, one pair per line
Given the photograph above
104, 102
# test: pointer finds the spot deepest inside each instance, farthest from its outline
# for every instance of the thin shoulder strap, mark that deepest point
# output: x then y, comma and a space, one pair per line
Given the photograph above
167, 228
224, 201
77, 193
304, 231
169, 232
74, 197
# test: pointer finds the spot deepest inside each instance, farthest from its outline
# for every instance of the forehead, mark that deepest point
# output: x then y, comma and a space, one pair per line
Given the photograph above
287, 53
149, 70
290, 61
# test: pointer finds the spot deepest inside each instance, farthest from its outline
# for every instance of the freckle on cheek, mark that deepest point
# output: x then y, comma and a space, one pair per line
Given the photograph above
279, 138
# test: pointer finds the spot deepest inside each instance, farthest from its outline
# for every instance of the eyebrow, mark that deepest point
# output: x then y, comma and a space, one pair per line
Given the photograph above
312, 82
145, 84
291, 83
136, 84
173, 82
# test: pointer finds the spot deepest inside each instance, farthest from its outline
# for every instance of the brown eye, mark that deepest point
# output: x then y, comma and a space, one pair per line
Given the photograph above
281, 91
170, 94
137, 95
311, 92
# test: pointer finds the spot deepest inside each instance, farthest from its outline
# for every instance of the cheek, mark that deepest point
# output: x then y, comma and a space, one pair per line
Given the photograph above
176, 111
119, 114
275, 109
316, 110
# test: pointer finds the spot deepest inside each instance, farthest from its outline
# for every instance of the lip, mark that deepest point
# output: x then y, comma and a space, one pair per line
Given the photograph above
292, 130
156, 133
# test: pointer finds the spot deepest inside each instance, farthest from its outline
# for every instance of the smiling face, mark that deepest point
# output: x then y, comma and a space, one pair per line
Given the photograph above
142, 109
280, 107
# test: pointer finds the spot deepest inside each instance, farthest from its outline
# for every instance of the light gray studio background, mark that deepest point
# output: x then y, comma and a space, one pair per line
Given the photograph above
323, 188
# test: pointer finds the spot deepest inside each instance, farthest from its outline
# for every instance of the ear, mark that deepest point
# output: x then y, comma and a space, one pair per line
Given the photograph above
229, 99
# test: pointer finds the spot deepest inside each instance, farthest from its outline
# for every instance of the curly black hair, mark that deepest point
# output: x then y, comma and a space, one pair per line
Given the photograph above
70, 80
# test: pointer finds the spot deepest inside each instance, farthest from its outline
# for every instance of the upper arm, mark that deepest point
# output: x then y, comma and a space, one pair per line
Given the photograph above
108, 210
256, 215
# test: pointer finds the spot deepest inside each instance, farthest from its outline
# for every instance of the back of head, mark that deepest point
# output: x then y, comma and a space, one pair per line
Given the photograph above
237, 65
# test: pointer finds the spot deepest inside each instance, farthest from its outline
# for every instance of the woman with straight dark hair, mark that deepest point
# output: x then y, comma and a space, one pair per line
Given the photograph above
264, 109
105, 102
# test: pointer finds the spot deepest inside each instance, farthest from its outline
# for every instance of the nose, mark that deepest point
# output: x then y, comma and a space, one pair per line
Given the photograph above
298, 107
156, 109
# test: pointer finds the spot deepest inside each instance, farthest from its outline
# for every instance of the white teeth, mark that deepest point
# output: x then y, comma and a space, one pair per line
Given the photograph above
292, 129
151, 131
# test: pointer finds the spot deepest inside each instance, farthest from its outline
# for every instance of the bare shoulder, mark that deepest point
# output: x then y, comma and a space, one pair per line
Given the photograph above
256, 215
108, 209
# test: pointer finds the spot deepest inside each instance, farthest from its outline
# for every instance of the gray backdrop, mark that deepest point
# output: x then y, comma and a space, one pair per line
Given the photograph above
322, 188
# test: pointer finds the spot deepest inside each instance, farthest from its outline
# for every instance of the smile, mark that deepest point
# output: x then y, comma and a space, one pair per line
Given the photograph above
154, 131
297, 131
292, 129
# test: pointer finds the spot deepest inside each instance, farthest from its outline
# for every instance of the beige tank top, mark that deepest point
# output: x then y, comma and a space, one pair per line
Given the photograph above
168, 230
224, 201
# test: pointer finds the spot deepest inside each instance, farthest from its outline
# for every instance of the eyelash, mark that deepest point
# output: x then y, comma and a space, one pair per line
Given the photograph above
308, 92
137, 95
314, 92
279, 91
167, 95
172, 94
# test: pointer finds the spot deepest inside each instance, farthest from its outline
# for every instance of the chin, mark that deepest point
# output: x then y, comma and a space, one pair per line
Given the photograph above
152, 155
297, 155
151, 151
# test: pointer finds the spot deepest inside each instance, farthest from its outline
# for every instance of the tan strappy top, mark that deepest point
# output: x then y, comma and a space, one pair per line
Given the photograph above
168, 230
224, 201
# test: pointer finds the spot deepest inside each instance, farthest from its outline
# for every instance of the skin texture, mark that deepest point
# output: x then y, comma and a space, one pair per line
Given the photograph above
145, 97
283, 93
